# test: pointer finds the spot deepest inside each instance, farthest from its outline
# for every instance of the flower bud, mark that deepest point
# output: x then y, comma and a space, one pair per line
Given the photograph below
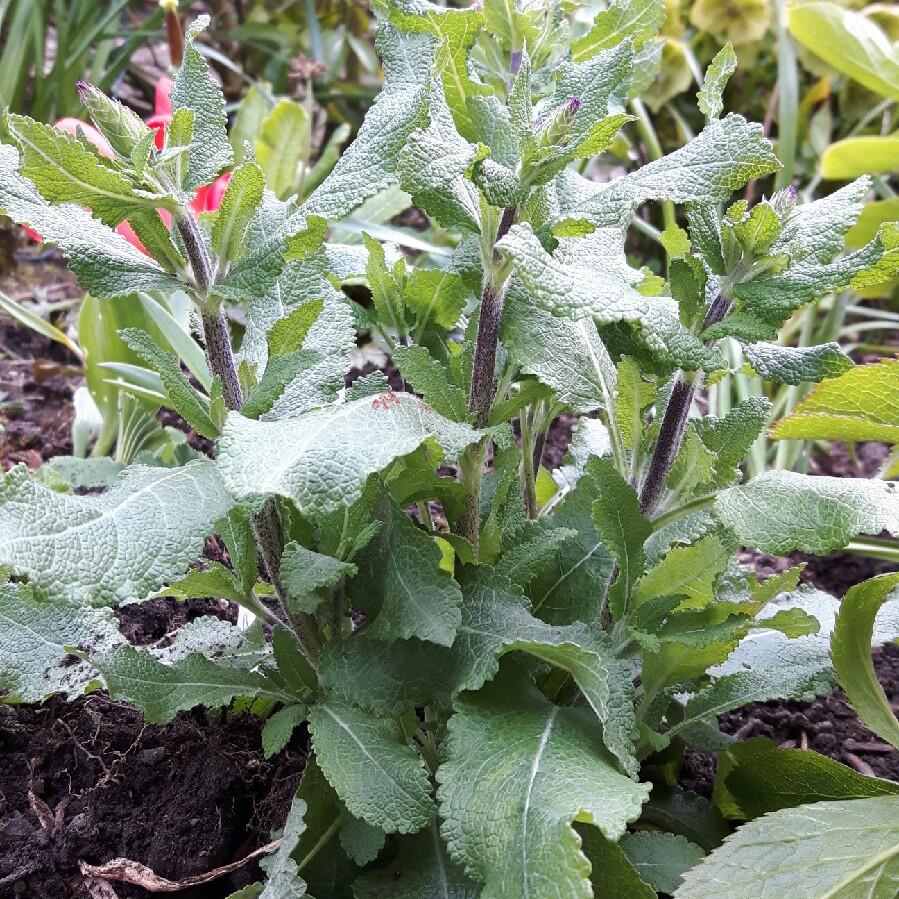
558, 129
118, 124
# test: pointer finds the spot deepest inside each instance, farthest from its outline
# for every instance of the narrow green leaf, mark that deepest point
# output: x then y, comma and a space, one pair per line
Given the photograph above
239, 204
851, 651
716, 77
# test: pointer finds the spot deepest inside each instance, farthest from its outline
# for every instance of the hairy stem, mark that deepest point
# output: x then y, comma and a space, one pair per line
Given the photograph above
267, 523
528, 470
483, 381
674, 422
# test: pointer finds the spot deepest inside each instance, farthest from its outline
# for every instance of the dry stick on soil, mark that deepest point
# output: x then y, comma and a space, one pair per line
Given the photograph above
124, 870
99, 889
267, 524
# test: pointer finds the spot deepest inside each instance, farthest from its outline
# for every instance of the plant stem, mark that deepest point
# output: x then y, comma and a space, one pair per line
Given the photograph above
528, 476
267, 523
674, 421
483, 374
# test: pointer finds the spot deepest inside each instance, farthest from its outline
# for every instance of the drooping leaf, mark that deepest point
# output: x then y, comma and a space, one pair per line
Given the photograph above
380, 777
106, 265
612, 875
361, 841
296, 457
114, 547
861, 404
280, 727
303, 572
35, 634
161, 691
759, 776
841, 849
282, 872
780, 511
851, 652
517, 772
793, 365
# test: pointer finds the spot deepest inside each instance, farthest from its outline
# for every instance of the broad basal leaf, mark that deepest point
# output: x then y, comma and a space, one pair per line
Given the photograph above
780, 511
860, 404
517, 772
401, 585
161, 691
380, 778
421, 870
114, 547
496, 620
322, 459
851, 652
826, 849
106, 265
660, 858
613, 876
35, 637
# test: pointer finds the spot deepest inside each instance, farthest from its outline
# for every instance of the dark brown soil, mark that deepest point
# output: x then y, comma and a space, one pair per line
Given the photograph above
828, 726
181, 798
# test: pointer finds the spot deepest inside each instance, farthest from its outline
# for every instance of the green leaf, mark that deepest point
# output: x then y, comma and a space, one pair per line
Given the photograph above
638, 20
215, 580
728, 439
121, 126
838, 849
661, 859
192, 406
435, 164
623, 529
303, 572
106, 265
575, 582
161, 691
850, 42
566, 355
456, 31
35, 639
721, 159
280, 373
716, 77
387, 678
194, 88
430, 378
851, 652
854, 156
761, 777
421, 870
612, 875
795, 365
117, 546
322, 459
280, 727
860, 404
239, 204
517, 772
282, 872
380, 778
575, 281
680, 811
370, 164
282, 146
289, 333
531, 551
401, 586
780, 511
436, 298
686, 571
64, 170
496, 620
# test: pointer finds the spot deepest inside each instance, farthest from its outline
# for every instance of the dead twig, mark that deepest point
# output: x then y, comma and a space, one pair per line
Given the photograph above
860, 765
99, 889
126, 871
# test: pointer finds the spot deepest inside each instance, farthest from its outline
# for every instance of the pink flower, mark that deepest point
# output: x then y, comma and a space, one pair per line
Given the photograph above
207, 199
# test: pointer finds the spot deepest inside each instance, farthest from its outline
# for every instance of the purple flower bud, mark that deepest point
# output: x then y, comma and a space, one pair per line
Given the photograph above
82, 88
574, 104
792, 191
